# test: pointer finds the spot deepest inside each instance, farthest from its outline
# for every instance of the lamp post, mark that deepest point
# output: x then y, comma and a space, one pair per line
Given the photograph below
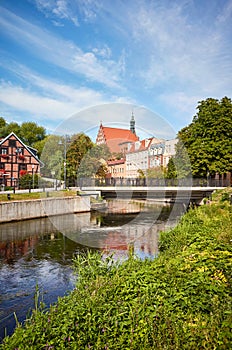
54, 180
65, 156
33, 176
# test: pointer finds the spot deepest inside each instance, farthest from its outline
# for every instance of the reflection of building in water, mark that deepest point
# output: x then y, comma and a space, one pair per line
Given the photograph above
125, 206
121, 230
9, 250
142, 238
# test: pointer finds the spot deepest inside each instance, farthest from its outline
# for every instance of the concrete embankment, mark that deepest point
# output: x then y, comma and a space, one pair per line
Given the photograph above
38, 208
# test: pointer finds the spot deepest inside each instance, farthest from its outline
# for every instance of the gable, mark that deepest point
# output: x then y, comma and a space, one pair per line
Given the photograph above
13, 141
113, 137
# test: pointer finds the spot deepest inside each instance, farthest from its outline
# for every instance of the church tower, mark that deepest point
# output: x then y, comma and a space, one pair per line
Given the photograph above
132, 124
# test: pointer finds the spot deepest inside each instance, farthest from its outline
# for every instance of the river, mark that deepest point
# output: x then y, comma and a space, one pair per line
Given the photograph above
39, 252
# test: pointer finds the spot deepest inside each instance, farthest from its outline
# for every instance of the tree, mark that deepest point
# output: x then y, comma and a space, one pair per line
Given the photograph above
39, 145
94, 162
52, 155
156, 173
78, 147
2, 122
171, 169
8, 128
208, 138
30, 133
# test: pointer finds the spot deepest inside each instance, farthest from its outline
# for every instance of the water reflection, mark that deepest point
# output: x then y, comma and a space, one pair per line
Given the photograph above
40, 251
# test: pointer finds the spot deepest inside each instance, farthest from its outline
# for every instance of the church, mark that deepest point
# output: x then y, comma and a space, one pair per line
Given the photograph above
115, 138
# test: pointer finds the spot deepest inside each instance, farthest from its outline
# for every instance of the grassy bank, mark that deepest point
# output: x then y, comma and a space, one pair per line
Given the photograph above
36, 195
181, 300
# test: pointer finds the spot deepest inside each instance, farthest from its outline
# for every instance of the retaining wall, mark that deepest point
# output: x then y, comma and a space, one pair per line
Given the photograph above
37, 208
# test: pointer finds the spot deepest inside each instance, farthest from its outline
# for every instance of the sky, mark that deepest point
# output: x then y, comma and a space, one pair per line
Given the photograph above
70, 64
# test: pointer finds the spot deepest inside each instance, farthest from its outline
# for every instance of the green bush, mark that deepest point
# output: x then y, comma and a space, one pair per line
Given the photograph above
28, 180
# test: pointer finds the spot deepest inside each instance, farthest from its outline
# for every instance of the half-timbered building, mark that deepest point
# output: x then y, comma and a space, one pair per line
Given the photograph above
16, 160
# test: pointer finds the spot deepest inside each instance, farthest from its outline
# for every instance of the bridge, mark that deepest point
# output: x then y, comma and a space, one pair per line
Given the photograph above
165, 190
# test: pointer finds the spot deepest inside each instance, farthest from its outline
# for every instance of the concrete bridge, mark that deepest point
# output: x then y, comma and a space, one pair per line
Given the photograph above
184, 191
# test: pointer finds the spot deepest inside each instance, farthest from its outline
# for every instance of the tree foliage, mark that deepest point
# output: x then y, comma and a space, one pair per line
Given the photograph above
28, 181
52, 156
8, 128
171, 169
28, 132
156, 173
207, 139
93, 164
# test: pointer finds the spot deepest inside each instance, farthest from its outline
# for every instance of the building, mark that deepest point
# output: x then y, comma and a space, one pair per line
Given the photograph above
16, 159
169, 151
155, 154
115, 138
138, 156
117, 168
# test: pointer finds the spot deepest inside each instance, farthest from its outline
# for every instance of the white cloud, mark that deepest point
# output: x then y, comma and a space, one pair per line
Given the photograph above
60, 9
179, 51
62, 53
226, 13
103, 51
67, 101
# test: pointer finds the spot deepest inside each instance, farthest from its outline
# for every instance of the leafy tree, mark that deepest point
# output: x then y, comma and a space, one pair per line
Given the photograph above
141, 174
39, 145
181, 161
30, 133
171, 169
94, 162
52, 155
8, 128
78, 147
208, 139
156, 172
2, 123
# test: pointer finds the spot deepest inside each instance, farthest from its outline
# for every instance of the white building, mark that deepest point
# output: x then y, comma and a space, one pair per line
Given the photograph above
169, 151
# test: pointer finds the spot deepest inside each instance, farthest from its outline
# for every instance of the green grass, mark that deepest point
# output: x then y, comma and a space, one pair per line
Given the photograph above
180, 300
36, 195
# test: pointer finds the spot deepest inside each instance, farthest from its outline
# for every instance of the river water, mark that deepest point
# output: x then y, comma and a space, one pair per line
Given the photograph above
39, 252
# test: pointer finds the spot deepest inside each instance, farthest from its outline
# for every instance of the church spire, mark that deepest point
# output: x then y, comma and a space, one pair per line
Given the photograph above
132, 124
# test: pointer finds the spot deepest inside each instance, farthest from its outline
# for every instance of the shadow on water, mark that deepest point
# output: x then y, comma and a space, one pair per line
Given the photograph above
39, 252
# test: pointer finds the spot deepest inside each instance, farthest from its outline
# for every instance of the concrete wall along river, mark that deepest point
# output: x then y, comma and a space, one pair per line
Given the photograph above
37, 208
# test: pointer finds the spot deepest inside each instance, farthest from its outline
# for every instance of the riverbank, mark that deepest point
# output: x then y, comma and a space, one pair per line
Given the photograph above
16, 210
180, 300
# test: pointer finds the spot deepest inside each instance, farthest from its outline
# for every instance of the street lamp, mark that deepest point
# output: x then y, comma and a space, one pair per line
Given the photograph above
33, 176
65, 156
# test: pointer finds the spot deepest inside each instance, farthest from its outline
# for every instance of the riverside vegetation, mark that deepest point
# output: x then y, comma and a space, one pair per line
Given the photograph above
180, 300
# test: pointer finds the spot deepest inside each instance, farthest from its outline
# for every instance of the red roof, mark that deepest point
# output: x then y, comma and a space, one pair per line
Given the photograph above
114, 136
116, 162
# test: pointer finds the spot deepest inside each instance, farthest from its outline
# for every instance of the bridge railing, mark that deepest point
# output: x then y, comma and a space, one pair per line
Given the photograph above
150, 182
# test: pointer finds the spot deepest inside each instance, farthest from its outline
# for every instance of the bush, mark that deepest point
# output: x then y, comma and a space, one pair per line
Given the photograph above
26, 181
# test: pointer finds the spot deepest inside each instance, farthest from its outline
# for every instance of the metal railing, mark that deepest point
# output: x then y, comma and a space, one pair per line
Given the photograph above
150, 182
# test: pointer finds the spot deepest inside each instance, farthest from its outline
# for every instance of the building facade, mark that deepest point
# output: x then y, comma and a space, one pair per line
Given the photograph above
16, 160
117, 168
169, 151
116, 138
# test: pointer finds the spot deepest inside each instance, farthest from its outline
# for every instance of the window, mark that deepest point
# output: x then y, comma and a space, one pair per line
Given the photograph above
19, 151
22, 167
4, 151
12, 143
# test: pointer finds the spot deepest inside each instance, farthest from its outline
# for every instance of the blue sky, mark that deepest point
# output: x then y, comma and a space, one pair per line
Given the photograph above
69, 64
